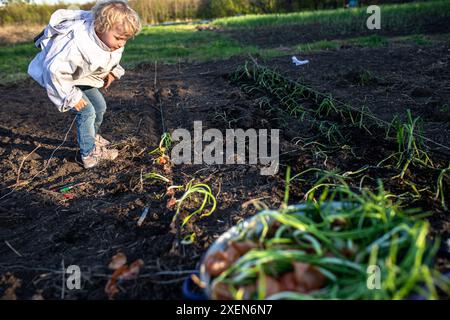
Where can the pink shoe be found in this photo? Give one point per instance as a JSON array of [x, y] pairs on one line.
[[101, 142], [99, 153]]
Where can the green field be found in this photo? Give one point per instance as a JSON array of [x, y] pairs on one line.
[[393, 16], [170, 44]]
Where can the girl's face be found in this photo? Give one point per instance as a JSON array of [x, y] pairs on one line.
[[114, 38]]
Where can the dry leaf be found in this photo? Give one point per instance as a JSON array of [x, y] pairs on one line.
[[111, 287], [195, 279], [307, 277], [38, 295], [272, 285], [133, 271], [10, 293], [242, 247], [288, 282], [122, 273], [163, 159], [172, 202], [117, 261], [167, 167], [216, 263], [232, 254], [170, 192], [221, 291], [249, 291]]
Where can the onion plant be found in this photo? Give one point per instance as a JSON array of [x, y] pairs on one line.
[[341, 235], [411, 149], [194, 191]]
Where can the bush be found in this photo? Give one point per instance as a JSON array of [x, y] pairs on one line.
[[22, 13]]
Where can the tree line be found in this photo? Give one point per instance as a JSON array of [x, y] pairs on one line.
[[156, 11]]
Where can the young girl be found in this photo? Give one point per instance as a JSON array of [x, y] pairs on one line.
[[81, 51]]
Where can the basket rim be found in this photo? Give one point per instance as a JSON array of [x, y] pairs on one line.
[[221, 242]]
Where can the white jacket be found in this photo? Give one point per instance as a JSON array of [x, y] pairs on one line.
[[72, 55]]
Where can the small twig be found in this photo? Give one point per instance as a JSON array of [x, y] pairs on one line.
[[162, 116], [156, 72], [6, 266], [11, 247], [138, 127], [28, 181], [168, 281], [23, 160], [7, 194], [203, 169], [142, 180], [253, 59], [178, 272], [256, 202], [220, 189], [143, 216]]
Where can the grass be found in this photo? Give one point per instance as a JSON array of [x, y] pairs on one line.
[[319, 45], [367, 41], [372, 41], [419, 39], [179, 43], [14, 60], [167, 44], [396, 16], [171, 43]]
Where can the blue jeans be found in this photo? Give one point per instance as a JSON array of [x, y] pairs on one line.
[[89, 119]]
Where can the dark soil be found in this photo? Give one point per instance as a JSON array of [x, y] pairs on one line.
[[388, 80], [48, 230]]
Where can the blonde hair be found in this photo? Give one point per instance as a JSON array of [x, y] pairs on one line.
[[112, 13]]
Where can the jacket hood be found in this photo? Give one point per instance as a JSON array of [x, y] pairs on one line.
[[62, 21]]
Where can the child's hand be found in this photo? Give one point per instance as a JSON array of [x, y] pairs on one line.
[[80, 105], [108, 80]]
